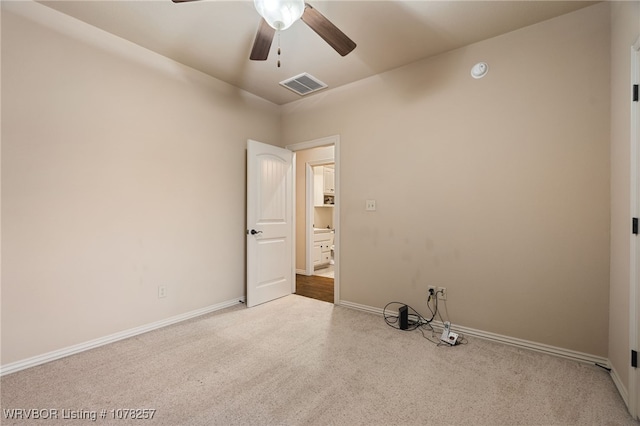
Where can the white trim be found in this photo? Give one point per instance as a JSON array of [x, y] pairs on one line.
[[359, 307], [329, 140], [293, 222], [101, 341], [507, 340], [634, 244], [301, 272], [527, 344], [336, 221], [619, 385], [308, 236], [335, 141]]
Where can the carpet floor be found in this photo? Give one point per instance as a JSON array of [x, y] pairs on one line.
[[299, 361]]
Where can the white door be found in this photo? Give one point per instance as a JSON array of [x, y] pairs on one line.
[[270, 245]]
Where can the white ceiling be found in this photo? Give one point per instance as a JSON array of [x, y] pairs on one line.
[[216, 37]]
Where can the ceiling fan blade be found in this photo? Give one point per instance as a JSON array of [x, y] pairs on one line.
[[182, 1], [329, 32], [262, 43]]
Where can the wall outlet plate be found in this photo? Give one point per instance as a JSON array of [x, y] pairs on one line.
[[429, 288], [442, 293]]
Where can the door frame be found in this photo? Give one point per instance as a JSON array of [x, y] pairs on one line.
[[634, 272], [316, 143]]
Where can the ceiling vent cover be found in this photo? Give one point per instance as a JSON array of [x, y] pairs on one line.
[[303, 84]]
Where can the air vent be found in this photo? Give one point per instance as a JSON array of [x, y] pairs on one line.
[[303, 84]]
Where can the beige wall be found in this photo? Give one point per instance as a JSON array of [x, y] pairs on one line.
[[625, 29], [302, 158], [121, 171], [497, 189], [323, 217]]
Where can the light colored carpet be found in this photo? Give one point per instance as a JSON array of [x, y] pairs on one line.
[[298, 361]]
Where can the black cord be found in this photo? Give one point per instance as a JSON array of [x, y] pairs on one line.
[[433, 313], [415, 319], [603, 367], [418, 322], [462, 340]]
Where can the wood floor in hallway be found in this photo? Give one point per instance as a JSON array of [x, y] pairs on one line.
[[315, 287]]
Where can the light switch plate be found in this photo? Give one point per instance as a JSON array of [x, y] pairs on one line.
[[370, 206]]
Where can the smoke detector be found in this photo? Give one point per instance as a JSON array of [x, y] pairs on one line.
[[479, 70]]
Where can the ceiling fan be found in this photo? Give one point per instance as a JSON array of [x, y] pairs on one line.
[[281, 14]]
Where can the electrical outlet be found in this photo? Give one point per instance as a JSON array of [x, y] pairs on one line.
[[442, 293], [430, 289], [162, 291]]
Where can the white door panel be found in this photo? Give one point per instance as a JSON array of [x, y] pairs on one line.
[[269, 222]]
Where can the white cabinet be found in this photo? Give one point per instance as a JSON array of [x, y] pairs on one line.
[[329, 181], [322, 243], [317, 254], [324, 186]]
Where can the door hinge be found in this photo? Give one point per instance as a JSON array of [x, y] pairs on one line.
[[634, 358], [635, 93], [634, 225]]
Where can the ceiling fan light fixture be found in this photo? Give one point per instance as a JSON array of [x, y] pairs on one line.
[[280, 14]]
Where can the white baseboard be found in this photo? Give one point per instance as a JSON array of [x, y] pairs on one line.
[[621, 389], [360, 307], [507, 340], [301, 271], [81, 347]]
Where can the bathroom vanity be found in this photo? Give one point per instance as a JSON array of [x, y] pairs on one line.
[[322, 245]]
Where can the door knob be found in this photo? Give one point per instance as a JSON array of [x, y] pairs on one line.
[[254, 232]]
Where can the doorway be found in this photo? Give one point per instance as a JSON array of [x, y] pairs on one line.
[[317, 230], [320, 215]]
